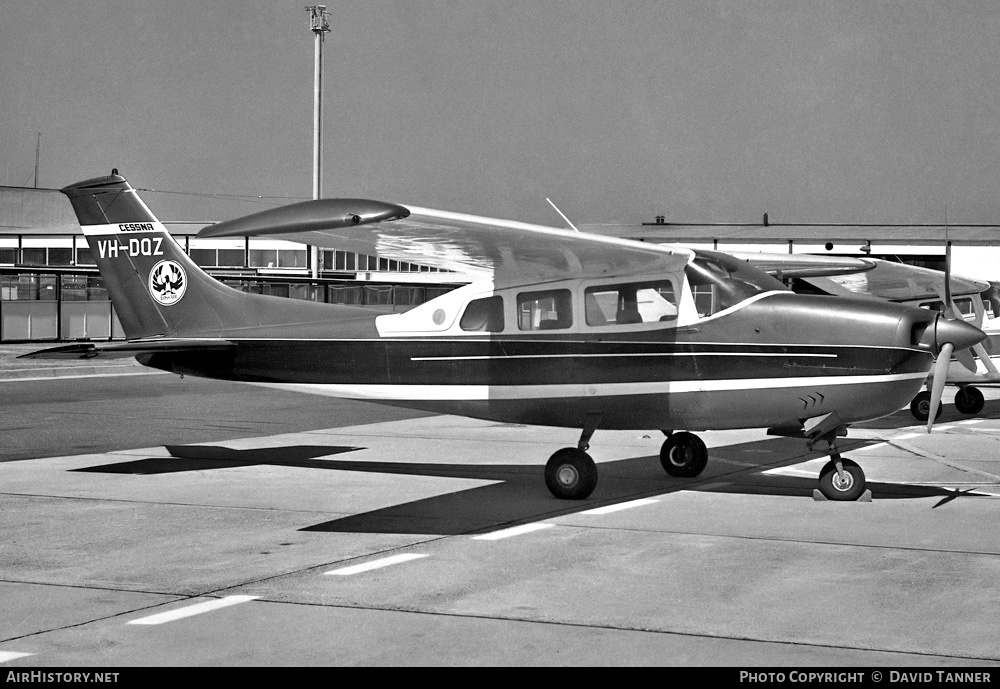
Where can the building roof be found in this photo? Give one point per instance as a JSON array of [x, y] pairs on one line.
[[773, 233]]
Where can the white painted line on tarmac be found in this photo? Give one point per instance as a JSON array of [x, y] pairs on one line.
[[906, 436], [608, 509], [11, 655], [191, 610], [376, 564], [967, 422], [513, 531], [83, 375], [790, 471]]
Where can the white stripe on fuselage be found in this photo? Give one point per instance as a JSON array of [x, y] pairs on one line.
[[627, 355], [499, 392]]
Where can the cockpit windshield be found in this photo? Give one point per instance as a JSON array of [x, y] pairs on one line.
[[719, 281]]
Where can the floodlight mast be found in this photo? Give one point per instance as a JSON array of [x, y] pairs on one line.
[[319, 25]]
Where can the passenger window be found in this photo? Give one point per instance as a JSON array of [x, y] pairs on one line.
[[483, 314], [549, 310], [634, 302]]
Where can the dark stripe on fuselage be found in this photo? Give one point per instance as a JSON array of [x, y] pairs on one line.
[[529, 361]]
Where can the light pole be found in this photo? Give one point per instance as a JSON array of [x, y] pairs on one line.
[[319, 25]]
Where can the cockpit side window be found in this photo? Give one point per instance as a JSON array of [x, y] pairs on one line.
[[633, 302], [719, 281], [548, 310], [484, 315]]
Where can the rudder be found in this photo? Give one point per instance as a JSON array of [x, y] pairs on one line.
[[155, 287]]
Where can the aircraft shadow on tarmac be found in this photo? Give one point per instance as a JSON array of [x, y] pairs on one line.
[[519, 495]]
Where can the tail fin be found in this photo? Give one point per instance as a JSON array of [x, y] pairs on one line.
[[156, 289]]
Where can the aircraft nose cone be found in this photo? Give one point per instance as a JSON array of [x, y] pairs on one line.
[[959, 333]]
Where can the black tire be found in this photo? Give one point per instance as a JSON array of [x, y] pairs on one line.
[[969, 400], [571, 474], [920, 407], [831, 486], [683, 454]]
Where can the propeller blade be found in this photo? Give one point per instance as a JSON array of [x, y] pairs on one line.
[[966, 358], [938, 380]]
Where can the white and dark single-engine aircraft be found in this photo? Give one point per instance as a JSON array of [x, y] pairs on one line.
[[557, 328]]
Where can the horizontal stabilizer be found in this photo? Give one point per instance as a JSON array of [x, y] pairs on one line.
[[116, 350]]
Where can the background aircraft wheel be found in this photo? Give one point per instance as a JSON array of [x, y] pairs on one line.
[[683, 454], [969, 400], [571, 474], [920, 407], [831, 485]]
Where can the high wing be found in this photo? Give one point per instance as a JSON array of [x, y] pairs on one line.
[[511, 253], [804, 265], [898, 282]]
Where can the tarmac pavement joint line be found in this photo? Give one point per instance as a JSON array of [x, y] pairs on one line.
[[934, 457], [191, 610]]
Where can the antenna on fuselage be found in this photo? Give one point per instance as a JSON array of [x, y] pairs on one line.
[[561, 214]]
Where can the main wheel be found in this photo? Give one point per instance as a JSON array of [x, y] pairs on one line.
[[920, 407], [571, 474], [851, 487], [683, 454], [969, 400]]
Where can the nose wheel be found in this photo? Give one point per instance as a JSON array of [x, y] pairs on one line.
[[844, 483], [840, 479]]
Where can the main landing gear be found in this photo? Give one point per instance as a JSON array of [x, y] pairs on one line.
[[571, 473]]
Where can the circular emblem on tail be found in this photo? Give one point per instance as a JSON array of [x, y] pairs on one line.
[[167, 282]]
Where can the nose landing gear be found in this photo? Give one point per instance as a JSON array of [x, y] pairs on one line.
[[840, 479]]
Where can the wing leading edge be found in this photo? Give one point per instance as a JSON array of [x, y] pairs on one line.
[[508, 252]]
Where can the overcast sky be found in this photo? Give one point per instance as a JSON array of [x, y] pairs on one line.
[[703, 111]]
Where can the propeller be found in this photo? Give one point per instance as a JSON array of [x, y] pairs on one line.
[[951, 332], [938, 379]]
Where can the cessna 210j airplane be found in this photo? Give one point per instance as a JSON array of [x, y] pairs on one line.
[[557, 327]]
